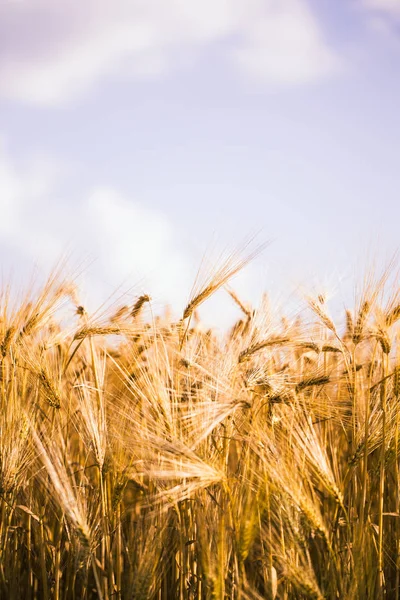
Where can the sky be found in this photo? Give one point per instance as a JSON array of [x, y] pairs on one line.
[[137, 136]]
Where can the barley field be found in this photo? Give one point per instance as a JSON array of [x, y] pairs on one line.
[[147, 457]]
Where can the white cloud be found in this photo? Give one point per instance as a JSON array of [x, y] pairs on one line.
[[53, 52], [125, 245], [133, 244], [130, 245], [388, 6], [10, 194], [285, 46], [19, 187]]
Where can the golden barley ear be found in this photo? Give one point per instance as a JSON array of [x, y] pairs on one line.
[[137, 307], [215, 278], [243, 307]]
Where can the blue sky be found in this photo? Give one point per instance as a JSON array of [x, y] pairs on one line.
[[138, 135]]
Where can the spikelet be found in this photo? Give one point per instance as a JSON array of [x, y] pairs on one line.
[[392, 316], [24, 427], [137, 307], [311, 382], [322, 314], [246, 534], [245, 310], [117, 495], [217, 279], [31, 324], [384, 340], [237, 329], [84, 536], [305, 583], [396, 381], [272, 341], [309, 346], [349, 325], [51, 394], [360, 323], [313, 516], [7, 340], [329, 348], [119, 314], [89, 331]]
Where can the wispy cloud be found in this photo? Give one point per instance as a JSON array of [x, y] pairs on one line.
[[53, 52]]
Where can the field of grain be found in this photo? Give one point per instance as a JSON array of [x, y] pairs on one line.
[[146, 457]]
